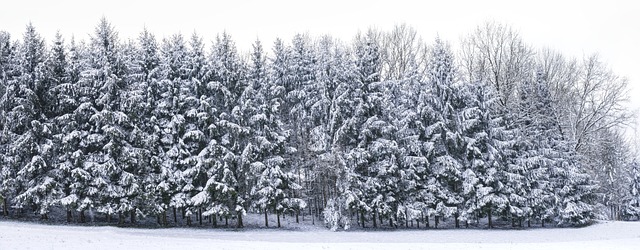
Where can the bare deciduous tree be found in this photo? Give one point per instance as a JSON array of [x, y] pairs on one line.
[[402, 49], [496, 54], [598, 99]]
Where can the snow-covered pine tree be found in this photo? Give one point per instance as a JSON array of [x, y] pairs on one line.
[[191, 123], [65, 102], [352, 176], [575, 191], [412, 196], [377, 151], [488, 146], [112, 160], [300, 85], [631, 206], [169, 120], [225, 133], [33, 145], [139, 102], [9, 70], [537, 133], [265, 153], [443, 146]]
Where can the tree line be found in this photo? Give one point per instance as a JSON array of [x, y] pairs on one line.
[[386, 129]]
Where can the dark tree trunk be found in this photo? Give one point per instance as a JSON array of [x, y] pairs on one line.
[[82, 218], [426, 221], [120, 218], [375, 223], [278, 219], [5, 207], [175, 216], [520, 222], [362, 219], [266, 219], [200, 216], [214, 220], [239, 223], [69, 216], [226, 221], [437, 220], [133, 215], [108, 217], [490, 221], [297, 215], [164, 218], [457, 220]]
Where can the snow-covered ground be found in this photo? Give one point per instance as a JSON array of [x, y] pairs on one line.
[[604, 235]]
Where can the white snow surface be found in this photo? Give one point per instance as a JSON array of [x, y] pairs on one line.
[[604, 235]]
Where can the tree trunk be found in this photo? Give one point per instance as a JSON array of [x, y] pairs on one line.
[[226, 221], [82, 218], [108, 217], [120, 218], [133, 215], [426, 221], [214, 220], [239, 223], [406, 218], [5, 207], [297, 215], [437, 219], [200, 216], [266, 219], [69, 216], [520, 222], [164, 218], [278, 219], [362, 219], [175, 216], [457, 220], [375, 225], [490, 222]]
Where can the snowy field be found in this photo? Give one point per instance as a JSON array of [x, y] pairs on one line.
[[604, 235]]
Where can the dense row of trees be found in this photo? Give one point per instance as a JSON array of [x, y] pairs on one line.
[[385, 129]]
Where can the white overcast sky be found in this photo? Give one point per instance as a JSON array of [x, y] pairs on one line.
[[576, 28]]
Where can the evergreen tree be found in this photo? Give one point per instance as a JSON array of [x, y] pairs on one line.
[[439, 110], [488, 146], [169, 119], [9, 72], [33, 145], [110, 159], [631, 207], [227, 135]]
